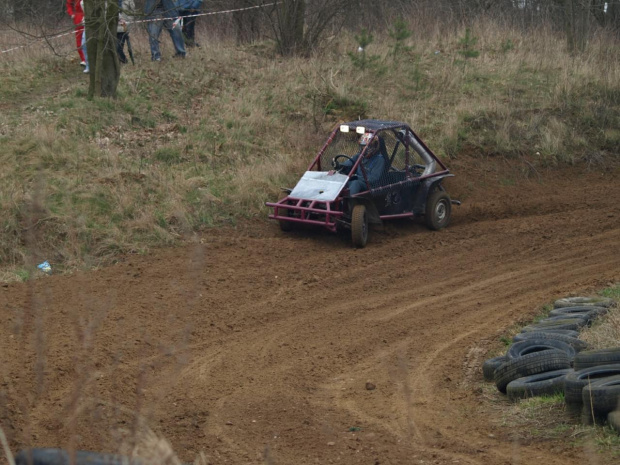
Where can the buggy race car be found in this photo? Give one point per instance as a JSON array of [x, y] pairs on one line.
[[409, 184]]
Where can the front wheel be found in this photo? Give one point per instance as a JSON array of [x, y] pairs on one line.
[[438, 210], [359, 226], [285, 226]]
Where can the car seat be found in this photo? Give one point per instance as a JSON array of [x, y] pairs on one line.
[[384, 176]]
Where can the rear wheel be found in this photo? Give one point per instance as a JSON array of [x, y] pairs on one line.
[[438, 210], [359, 226]]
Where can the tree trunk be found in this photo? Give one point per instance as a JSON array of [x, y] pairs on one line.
[[101, 20], [291, 24], [247, 23], [577, 22]]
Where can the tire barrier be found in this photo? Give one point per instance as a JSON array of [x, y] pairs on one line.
[[576, 380], [530, 364], [573, 317], [539, 359], [573, 341], [490, 365], [566, 332], [529, 346], [593, 311], [542, 384], [584, 301], [593, 358], [573, 324], [601, 397]]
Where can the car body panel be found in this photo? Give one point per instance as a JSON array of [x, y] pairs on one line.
[[319, 185]]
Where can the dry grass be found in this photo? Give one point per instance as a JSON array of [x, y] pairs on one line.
[[205, 141], [605, 332]]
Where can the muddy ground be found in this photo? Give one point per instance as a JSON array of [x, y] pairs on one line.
[[256, 346]]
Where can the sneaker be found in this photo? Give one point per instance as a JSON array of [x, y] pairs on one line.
[[86, 70], [156, 59], [83, 63]]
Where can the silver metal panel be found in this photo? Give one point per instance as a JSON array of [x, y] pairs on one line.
[[319, 185]]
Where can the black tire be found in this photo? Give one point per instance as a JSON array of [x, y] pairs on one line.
[[542, 384], [602, 396], [62, 457], [584, 301], [576, 380], [530, 364], [438, 210], [565, 332], [578, 344], [613, 420], [573, 326], [530, 346], [593, 358], [285, 226], [490, 365], [588, 417], [593, 312], [579, 318], [359, 226]]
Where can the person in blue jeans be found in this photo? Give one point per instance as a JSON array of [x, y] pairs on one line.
[[373, 163], [188, 9], [166, 15]]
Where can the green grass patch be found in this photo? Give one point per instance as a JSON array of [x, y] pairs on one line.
[[612, 292], [194, 146]]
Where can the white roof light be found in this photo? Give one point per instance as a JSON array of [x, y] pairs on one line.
[[360, 129], [344, 128]]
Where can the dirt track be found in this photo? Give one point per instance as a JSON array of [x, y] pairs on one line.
[[256, 346]]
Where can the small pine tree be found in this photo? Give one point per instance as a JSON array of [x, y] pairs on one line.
[[400, 33], [361, 59], [467, 44]]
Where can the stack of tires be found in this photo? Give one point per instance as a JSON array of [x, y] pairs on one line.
[[593, 387], [548, 357]]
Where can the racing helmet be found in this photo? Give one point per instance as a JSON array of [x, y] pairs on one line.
[[372, 142]]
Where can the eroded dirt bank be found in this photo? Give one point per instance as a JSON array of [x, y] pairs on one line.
[[256, 346]]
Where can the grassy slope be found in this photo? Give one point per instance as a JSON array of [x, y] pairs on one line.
[[203, 142]]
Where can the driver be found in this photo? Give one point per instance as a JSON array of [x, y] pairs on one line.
[[373, 162]]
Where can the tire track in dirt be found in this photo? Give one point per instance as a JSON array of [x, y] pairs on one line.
[[266, 342]]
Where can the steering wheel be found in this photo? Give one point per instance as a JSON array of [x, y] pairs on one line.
[[336, 164]]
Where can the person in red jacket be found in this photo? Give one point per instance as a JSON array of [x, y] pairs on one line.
[[74, 9]]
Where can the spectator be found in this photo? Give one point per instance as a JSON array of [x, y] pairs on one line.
[[188, 9], [74, 9], [85, 52], [83, 48], [163, 12], [127, 9]]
